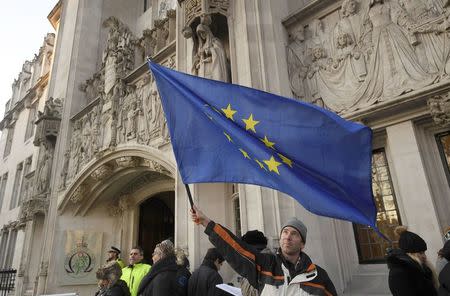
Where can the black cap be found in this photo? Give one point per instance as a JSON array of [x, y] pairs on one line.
[[409, 241], [255, 238], [115, 250]]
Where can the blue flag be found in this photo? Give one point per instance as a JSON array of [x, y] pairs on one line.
[[221, 132]]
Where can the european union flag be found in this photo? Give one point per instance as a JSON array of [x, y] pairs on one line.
[[222, 132]]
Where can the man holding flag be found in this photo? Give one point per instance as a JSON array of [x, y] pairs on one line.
[[221, 132], [289, 272]]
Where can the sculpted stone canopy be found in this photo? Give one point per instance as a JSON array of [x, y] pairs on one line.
[[369, 52], [113, 175]]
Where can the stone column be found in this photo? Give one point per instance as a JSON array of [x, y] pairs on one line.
[[412, 191]]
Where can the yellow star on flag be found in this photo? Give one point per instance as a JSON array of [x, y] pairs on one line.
[[229, 112], [273, 165], [250, 123], [244, 153], [267, 142], [285, 159], [261, 165], [228, 137]]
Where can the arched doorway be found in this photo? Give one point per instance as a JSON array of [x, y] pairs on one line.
[[156, 221]]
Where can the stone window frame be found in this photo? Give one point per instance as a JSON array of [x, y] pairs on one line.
[[18, 178], [3, 183], [10, 250], [236, 209], [9, 141], [4, 237], [444, 158], [381, 242]]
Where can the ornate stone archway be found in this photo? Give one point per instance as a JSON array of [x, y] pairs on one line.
[[112, 175]]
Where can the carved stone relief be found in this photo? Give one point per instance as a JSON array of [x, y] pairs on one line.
[[126, 161], [78, 195], [31, 207], [119, 207], [102, 172], [368, 52]]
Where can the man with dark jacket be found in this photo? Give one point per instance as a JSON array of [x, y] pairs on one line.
[[290, 272], [204, 280]]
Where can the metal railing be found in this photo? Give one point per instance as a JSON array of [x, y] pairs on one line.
[[7, 281]]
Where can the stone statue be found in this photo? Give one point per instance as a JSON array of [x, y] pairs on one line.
[[156, 109], [132, 118], [64, 170], [44, 170], [210, 61]]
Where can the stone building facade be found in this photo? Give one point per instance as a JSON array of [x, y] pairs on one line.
[[105, 173]]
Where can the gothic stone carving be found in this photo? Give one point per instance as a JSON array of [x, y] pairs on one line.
[[47, 124], [156, 167], [31, 207], [78, 195], [440, 109], [368, 52], [102, 172], [120, 207], [210, 60], [126, 161]]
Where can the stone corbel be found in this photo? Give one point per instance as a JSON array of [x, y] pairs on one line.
[[440, 109]]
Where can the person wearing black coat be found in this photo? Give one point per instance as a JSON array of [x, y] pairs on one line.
[[109, 281], [204, 280], [444, 275], [166, 277], [409, 272]]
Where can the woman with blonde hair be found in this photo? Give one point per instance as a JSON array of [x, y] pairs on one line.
[[410, 273]]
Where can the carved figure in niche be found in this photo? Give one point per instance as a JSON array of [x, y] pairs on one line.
[[75, 150], [394, 67], [44, 169], [211, 61], [296, 66], [156, 108], [87, 142], [430, 48], [148, 43], [65, 169], [132, 118]]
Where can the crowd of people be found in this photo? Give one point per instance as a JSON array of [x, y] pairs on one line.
[[288, 272]]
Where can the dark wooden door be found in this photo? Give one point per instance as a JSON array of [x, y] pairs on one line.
[[156, 222]]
